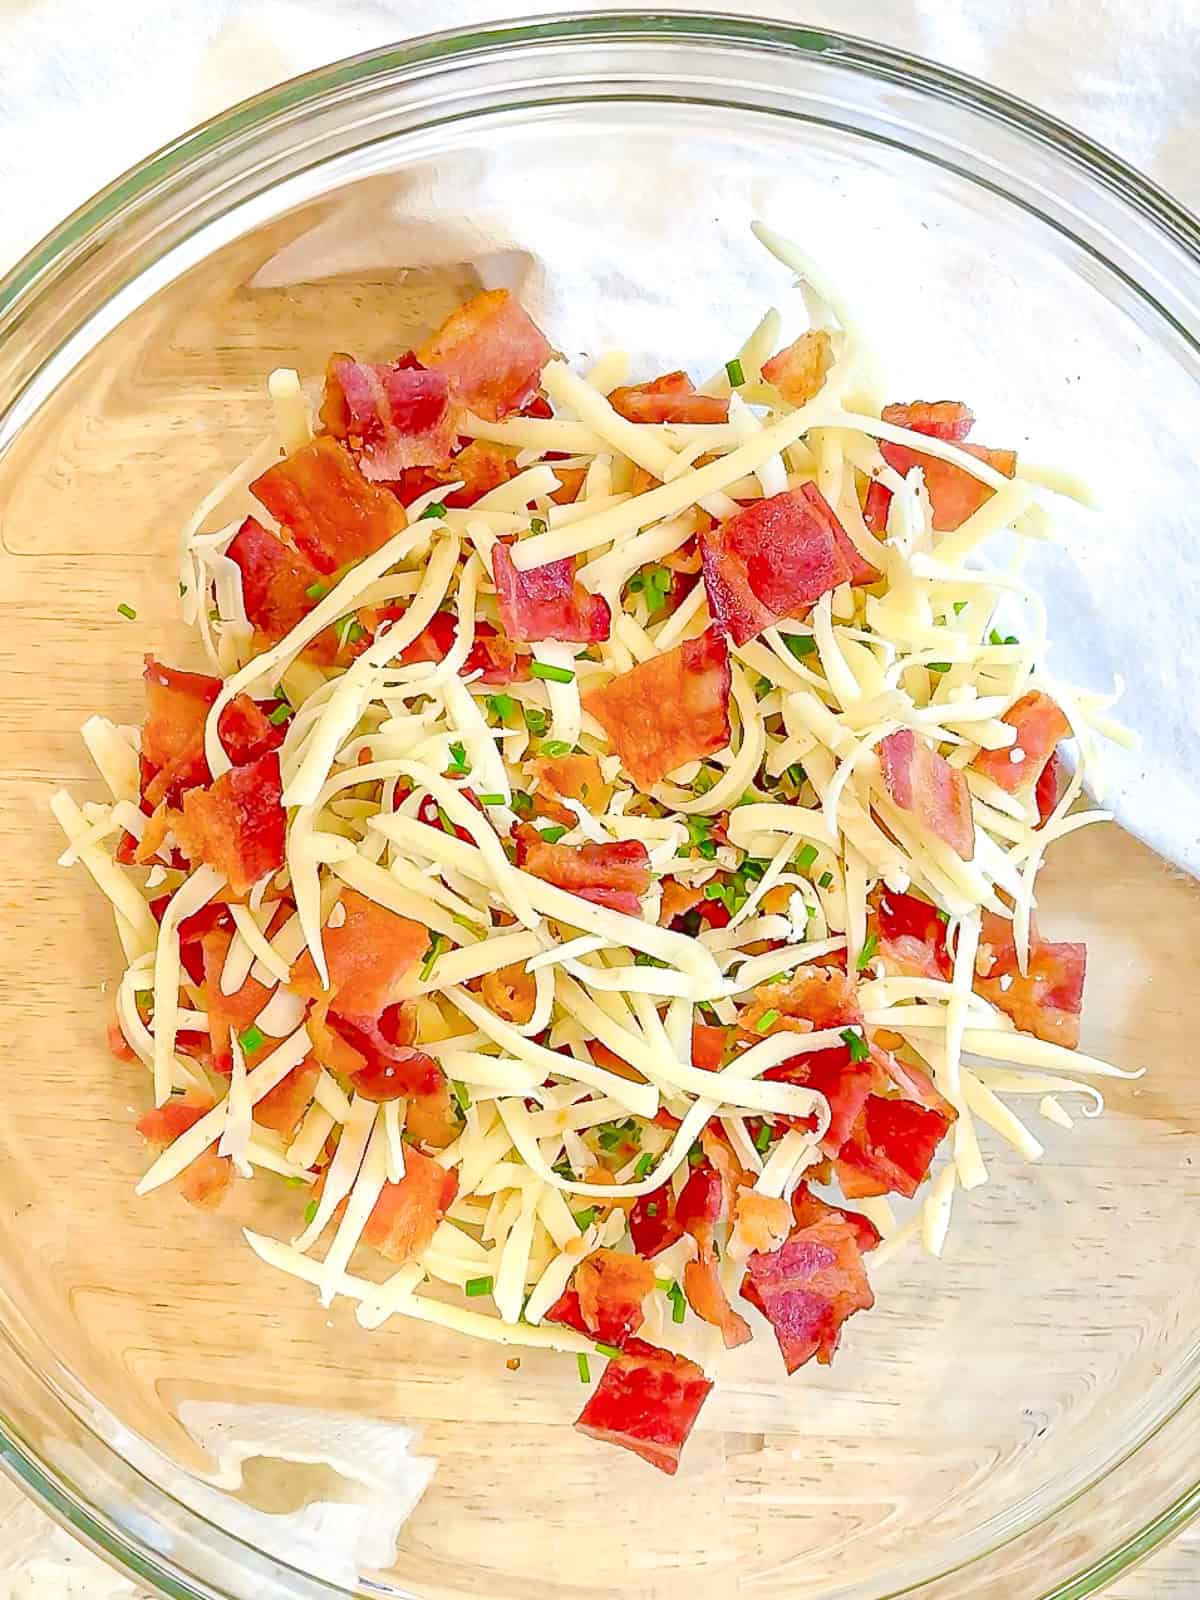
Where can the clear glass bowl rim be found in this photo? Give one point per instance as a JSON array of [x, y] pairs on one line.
[[31, 283]]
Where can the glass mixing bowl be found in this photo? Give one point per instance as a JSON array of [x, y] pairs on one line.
[[1016, 1421]]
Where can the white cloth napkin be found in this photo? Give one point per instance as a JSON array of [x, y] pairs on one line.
[[87, 90]]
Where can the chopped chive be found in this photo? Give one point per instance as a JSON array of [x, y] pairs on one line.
[[800, 644], [678, 1306], [553, 833], [251, 1039], [644, 1163], [537, 525], [316, 591], [127, 611], [461, 1094], [795, 773], [281, 714], [733, 371], [652, 1208], [806, 857], [522, 802], [478, 1286], [543, 669], [555, 747], [763, 1137], [995, 637], [610, 1138], [641, 959], [856, 1044], [310, 1212], [535, 721], [436, 508], [696, 1155], [144, 997], [942, 916], [348, 630], [766, 1021], [446, 825], [491, 799], [665, 1284], [609, 1350], [824, 881], [585, 1372], [867, 951], [458, 757], [564, 1169], [294, 1183], [436, 945], [959, 607], [939, 666], [500, 705], [585, 1218]]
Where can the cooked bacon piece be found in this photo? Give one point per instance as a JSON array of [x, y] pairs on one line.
[[367, 957], [923, 782], [668, 710], [808, 1288], [406, 1215], [815, 998], [393, 416], [246, 731], [548, 602], [652, 1222], [495, 657], [808, 1208], [611, 1286], [492, 352], [166, 1123], [431, 1117], [568, 1313], [911, 936], [476, 470], [912, 1080], [774, 559], [876, 507], [172, 753], [1048, 999], [511, 992], [227, 1013], [391, 1068], [119, 1046], [799, 370], [1049, 786], [573, 777], [671, 398], [331, 511], [238, 824], [612, 875], [708, 1046], [844, 1083], [1039, 725], [761, 1223], [700, 1205], [204, 1180], [275, 583], [647, 1401], [282, 1107], [890, 1148], [954, 494]]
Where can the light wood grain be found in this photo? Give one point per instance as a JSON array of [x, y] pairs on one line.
[[1026, 1359]]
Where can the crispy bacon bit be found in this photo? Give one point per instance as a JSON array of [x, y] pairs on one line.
[[510, 992], [227, 1013], [668, 710], [774, 559], [573, 777], [708, 1046], [476, 470], [923, 782], [393, 416], [647, 1401], [407, 1213], [808, 1288], [368, 956], [613, 875], [808, 1208], [1048, 999], [799, 371], [1049, 787], [166, 1123], [761, 1223], [815, 998], [238, 824], [246, 731], [172, 754], [204, 1180], [282, 1107], [844, 1083], [331, 511], [911, 936], [701, 1203], [678, 899], [671, 398], [913, 1082], [431, 1117], [876, 507], [391, 1068], [119, 1046], [611, 1286], [492, 352], [548, 602], [954, 494], [495, 657], [275, 584], [890, 1148], [1039, 726], [652, 1222]]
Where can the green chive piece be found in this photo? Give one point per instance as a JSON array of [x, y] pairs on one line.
[[348, 630], [127, 611], [280, 715], [856, 1044], [867, 951], [959, 607], [553, 833], [995, 637], [316, 591], [942, 916], [144, 997], [555, 747], [795, 773], [763, 1137], [522, 802], [458, 757], [645, 1162], [310, 1212], [436, 945], [939, 666], [665, 1284], [491, 799], [436, 508], [733, 371], [585, 1218], [251, 1039], [543, 669], [294, 1183], [806, 857], [537, 525], [800, 644], [609, 1350], [462, 1094], [679, 1305], [766, 1021], [585, 1372], [500, 705], [478, 1286], [696, 1155], [824, 881], [652, 1208], [535, 721]]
